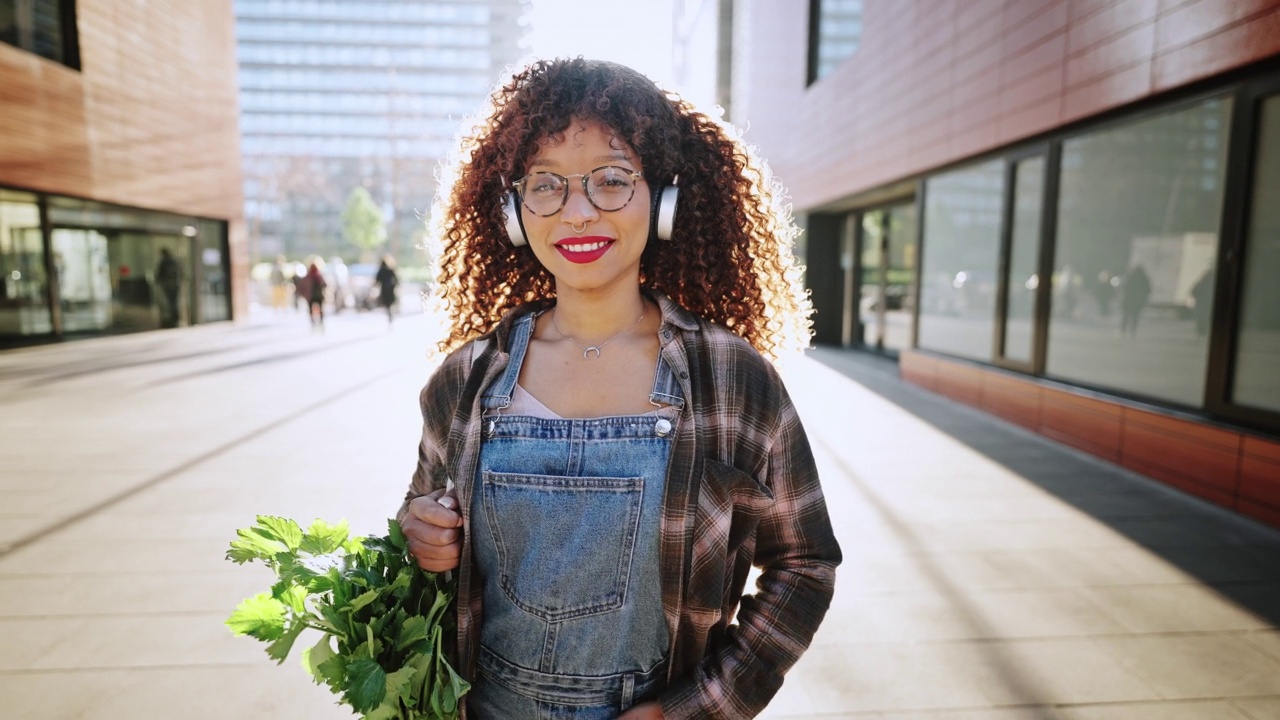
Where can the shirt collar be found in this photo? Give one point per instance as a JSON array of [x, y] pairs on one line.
[[673, 314]]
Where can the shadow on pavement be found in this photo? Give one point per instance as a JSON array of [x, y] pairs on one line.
[[1234, 555]]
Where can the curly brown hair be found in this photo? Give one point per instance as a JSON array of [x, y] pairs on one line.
[[729, 259]]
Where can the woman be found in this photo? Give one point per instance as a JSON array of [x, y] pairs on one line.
[[622, 452], [315, 286], [387, 280]]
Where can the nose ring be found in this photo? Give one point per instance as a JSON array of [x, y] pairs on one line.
[[578, 230]]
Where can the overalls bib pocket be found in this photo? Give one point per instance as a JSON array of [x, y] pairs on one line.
[[564, 544]]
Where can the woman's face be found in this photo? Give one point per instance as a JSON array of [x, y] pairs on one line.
[[583, 247]]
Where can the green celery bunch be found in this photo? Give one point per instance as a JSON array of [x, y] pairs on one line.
[[386, 615]]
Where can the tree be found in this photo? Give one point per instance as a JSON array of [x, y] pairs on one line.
[[362, 223]]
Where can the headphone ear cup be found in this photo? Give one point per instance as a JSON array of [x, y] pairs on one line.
[[515, 226], [663, 216]]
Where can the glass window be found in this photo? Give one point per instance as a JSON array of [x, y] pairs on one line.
[[888, 272], [1024, 256], [358, 32], [88, 279], [44, 27], [837, 29], [1257, 382], [24, 300], [358, 103], [284, 79], [214, 300], [961, 250], [363, 11], [899, 279], [1138, 217], [870, 261]]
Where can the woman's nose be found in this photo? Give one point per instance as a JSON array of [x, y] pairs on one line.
[[578, 207]]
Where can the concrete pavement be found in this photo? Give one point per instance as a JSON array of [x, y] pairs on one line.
[[989, 573]]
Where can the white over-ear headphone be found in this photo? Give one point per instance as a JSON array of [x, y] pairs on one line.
[[662, 214]]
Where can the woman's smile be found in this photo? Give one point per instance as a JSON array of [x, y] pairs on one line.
[[584, 249]]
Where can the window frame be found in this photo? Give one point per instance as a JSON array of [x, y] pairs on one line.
[[69, 37], [814, 53], [1051, 153], [1246, 91], [1224, 333]]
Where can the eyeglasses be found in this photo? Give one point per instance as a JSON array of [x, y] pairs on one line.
[[608, 188]]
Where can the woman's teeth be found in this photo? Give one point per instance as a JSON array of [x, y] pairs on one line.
[[587, 247]]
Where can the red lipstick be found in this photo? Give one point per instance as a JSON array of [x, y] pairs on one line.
[[585, 249]]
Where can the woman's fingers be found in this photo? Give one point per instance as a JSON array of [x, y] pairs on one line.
[[432, 529]]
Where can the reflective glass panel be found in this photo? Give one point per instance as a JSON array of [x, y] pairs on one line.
[[215, 291], [961, 252], [36, 26], [839, 32], [84, 272], [1024, 255], [24, 304], [1257, 362], [1138, 217], [869, 300], [899, 288]]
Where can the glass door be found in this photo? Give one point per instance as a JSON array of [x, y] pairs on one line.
[[24, 298], [871, 279], [83, 270], [1020, 281], [887, 262], [898, 318]]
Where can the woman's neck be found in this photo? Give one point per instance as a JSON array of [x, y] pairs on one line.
[[591, 316]]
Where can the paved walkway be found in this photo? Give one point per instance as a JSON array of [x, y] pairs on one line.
[[989, 574]]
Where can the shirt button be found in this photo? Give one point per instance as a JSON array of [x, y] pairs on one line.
[[684, 375], [662, 427], [666, 334]]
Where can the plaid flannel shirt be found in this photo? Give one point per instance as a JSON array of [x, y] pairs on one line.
[[742, 490]]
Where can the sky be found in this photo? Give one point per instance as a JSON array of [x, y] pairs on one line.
[[637, 34]]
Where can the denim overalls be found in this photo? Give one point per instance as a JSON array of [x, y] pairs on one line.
[[565, 517]]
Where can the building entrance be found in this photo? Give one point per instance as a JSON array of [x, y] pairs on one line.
[[884, 278], [120, 281]]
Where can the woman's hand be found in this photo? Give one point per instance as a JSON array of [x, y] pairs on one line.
[[643, 711], [432, 529]]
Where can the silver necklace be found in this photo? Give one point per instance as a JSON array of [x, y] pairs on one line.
[[587, 350]]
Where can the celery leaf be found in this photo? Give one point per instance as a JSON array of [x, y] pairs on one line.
[[284, 530], [366, 683], [260, 616]]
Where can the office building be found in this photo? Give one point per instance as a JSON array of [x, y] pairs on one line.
[[338, 95], [1064, 212], [118, 147]]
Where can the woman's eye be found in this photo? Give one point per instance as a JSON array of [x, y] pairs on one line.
[[545, 186], [613, 181]]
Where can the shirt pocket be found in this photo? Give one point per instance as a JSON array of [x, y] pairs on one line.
[[564, 544], [730, 504]]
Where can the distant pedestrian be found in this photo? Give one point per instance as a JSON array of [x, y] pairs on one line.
[[387, 281], [315, 286], [169, 278]]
